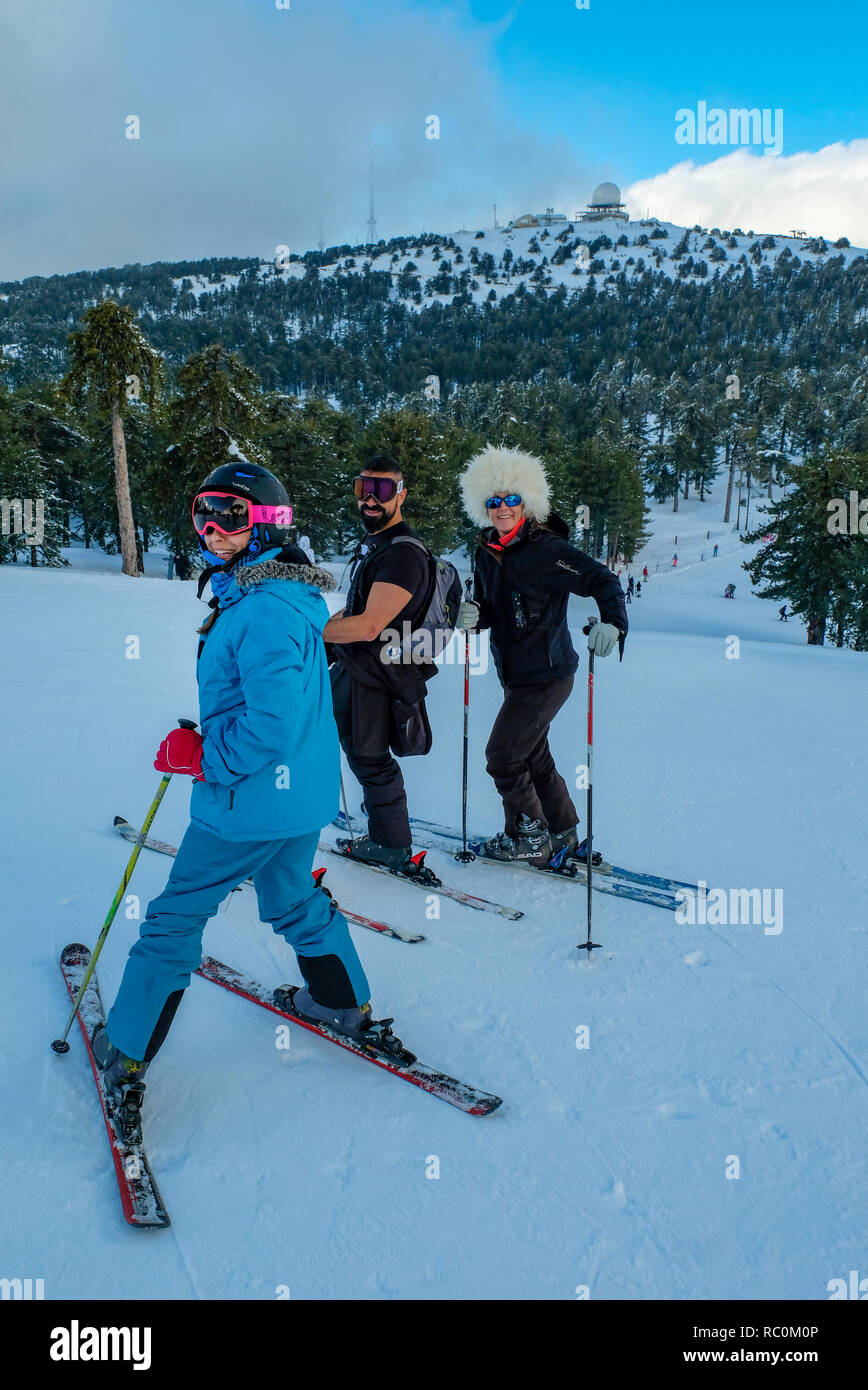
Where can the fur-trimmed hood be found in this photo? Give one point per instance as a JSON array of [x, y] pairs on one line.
[[498, 470], [314, 575]]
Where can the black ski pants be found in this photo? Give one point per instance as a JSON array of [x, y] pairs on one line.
[[376, 769], [518, 757]]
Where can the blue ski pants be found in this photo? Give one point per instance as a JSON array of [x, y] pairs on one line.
[[206, 870]]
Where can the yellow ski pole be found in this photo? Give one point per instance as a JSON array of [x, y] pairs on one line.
[[60, 1044]]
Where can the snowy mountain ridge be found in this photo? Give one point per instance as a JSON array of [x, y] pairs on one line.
[[580, 254]]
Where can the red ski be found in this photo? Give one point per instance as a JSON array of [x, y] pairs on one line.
[[467, 1098], [140, 1197]]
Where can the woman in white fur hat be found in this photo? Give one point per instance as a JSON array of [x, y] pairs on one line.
[[525, 569]]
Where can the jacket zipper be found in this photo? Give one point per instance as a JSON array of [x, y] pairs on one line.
[[231, 798]]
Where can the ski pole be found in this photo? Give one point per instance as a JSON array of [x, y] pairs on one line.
[[346, 811], [465, 855], [60, 1044], [590, 945]]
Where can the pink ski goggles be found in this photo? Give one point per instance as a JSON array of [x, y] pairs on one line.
[[230, 514]]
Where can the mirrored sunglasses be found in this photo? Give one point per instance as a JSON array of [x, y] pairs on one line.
[[511, 499]]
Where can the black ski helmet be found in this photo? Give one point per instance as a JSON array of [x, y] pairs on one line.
[[251, 480]]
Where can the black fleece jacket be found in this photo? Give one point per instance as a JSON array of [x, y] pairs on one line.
[[522, 590]]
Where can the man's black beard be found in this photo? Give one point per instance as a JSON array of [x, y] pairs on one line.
[[374, 521]]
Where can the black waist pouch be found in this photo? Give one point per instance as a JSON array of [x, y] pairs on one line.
[[411, 735]]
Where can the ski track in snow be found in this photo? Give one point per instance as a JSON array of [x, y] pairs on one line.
[[605, 1166]]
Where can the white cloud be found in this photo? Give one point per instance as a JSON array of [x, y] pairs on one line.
[[823, 192], [257, 128]]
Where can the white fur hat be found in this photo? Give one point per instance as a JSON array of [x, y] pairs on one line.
[[497, 471]]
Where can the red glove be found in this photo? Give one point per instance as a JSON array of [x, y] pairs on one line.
[[181, 751]]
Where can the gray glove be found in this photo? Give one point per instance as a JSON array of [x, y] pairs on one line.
[[603, 639], [468, 615]]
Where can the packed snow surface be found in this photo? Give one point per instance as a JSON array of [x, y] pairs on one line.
[[709, 1141]]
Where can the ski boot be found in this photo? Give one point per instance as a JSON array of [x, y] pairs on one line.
[[564, 844], [123, 1079], [374, 1035], [397, 860], [530, 844]]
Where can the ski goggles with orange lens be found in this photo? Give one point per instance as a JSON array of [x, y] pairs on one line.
[[229, 514], [383, 489]]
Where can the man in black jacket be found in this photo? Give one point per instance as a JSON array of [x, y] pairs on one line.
[[379, 700], [524, 572]]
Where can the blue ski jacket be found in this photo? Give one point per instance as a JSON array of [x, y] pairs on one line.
[[270, 754]]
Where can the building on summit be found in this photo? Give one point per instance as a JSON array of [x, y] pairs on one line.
[[605, 202], [549, 218]]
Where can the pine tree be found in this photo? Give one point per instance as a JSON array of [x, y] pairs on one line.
[[31, 513], [821, 571], [42, 445], [215, 411], [111, 363], [313, 450], [431, 450]]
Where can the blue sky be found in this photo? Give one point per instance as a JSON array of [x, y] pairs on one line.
[[258, 125], [614, 75]]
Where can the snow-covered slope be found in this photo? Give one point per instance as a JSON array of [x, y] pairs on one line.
[[606, 1166], [547, 258]]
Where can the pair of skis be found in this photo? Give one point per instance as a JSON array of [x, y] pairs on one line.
[[140, 1196], [653, 889], [473, 900], [130, 833]]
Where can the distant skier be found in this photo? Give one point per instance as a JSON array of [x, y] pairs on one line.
[[524, 571], [645, 573], [639, 588], [305, 545], [265, 707], [631, 584], [675, 560], [714, 552], [729, 591], [783, 613]]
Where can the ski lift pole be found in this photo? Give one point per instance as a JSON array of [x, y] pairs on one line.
[[60, 1044], [590, 945]]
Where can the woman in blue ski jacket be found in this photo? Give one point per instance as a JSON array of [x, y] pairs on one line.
[[266, 777]]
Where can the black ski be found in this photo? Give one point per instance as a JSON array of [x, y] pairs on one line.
[[140, 1197], [608, 878], [458, 895], [130, 833], [458, 1093]]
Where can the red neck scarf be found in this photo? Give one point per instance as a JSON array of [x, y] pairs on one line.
[[503, 541]]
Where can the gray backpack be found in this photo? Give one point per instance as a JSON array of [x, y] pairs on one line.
[[441, 608]]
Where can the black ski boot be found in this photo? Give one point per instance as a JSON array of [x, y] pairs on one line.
[[530, 844], [397, 860], [124, 1079], [564, 845], [375, 1035]]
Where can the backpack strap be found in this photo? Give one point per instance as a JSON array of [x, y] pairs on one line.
[[420, 545]]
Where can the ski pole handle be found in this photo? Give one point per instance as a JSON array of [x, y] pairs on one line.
[[60, 1044]]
